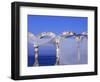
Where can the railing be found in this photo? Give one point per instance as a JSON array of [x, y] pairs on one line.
[[55, 39]]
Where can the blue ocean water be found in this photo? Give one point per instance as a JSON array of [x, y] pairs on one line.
[[47, 55], [31, 57]]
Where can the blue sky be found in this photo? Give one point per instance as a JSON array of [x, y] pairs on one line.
[[56, 24]]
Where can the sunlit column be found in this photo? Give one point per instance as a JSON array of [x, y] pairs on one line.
[[79, 38], [57, 40], [36, 55], [32, 40]]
